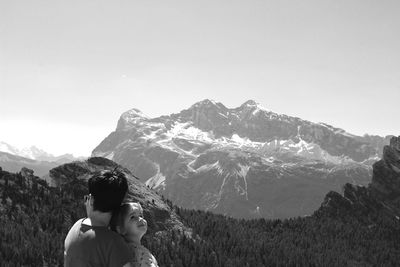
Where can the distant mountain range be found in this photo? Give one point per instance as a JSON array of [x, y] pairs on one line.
[[38, 154], [13, 159], [243, 162], [13, 163]]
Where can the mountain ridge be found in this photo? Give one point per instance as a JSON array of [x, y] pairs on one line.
[[243, 162], [261, 125]]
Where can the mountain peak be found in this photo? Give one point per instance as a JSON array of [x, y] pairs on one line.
[[131, 118], [250, 103], [206, 103], [134, 112], [207, 106]]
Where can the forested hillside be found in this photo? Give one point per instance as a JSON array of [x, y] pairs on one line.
[[319, 240], [35, 219]]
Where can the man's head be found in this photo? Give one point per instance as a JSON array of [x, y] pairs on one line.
[[107, 190]]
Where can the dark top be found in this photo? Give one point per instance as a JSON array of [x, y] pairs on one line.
[[87, 246], [143, 257]]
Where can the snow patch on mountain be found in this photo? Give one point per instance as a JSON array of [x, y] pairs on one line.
[[157, 180], [207, 167], [254, 104], [186, 130], [107, 155], [244, 169]]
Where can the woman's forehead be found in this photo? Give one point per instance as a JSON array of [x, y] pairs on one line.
[[135, 207]]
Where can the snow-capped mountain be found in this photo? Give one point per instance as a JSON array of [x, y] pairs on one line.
[[245, 162], [37, 154]]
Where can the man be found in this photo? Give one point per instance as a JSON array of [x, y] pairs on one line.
[[90, 242]]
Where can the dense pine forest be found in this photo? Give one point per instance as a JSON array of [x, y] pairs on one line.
[[318, 240], [35, 219]]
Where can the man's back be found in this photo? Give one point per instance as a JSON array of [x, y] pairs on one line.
[[87, 245]]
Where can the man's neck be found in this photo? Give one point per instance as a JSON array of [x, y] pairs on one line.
[[97, 218]]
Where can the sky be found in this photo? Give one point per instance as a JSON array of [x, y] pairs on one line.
[[69, 69]]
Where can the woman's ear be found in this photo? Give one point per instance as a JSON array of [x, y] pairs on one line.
[[120, 230]]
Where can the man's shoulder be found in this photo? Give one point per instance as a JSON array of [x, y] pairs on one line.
[[107, 232], [78, 223], [113, 238], [74, 230]]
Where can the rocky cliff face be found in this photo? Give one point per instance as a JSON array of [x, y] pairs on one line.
[[244, 162], [382, 195], [160, 217]]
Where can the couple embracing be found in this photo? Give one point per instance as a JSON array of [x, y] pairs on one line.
[[111, 233]]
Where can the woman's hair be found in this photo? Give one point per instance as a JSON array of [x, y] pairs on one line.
[[119, 214]]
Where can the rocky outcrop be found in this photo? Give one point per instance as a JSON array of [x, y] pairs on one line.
[[381, 195], [386, 172], [159, 215]]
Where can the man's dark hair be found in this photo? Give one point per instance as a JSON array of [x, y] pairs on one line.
[[108, 189]]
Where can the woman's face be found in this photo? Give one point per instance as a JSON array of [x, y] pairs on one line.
[[134, 223]]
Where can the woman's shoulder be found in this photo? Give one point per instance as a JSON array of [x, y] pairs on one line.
[[143, 256]]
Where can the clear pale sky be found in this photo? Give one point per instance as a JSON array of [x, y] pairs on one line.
[[68, 69]]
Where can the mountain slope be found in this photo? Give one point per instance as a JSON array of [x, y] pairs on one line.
[[244, 162]]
